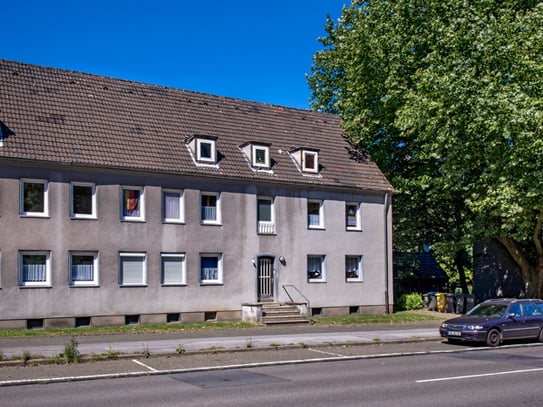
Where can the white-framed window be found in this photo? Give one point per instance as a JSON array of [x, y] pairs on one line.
[[173, 208], [310, 161], [83, 269], [132, 204], [82, 200], [206, 150], [352, 216], [260, 156], [210, 213], [211, 268], [353, 268], [35, 269], [34, 198], [316, 271], [132, 269], [265, 215], [315, 214], [173, 269]]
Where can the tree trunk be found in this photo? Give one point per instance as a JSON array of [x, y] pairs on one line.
[[459, 262], [531, 274]]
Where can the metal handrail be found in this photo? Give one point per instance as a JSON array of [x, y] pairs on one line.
[[307, 302]]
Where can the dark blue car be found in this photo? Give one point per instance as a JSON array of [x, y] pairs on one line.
[[495, 321]]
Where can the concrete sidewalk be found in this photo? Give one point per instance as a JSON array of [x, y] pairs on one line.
[[161, 344]]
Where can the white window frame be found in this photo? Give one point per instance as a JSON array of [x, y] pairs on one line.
[[320, 225], [181, 218], [141, 216], [217, 220], [134, 255], [254, 150], [213, 145], [48, 265], [359, 270], [315, 155], [45, 197], [183, 275], [73, 213], [358, 217], [95, 271], [219, 279], [322, 278], [266, 227]]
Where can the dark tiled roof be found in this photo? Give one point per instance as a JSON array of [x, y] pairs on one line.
[[56, 115], [418, 265]]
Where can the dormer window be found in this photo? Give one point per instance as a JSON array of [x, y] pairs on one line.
[[203, 149], [307, 159], [310, 161], [258, 154]]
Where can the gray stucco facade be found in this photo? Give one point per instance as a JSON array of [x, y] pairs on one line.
[[131, 256]]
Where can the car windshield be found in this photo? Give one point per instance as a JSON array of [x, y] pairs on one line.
[[489, 310]]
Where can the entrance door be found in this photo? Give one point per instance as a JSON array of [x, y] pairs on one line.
[[265, 278]]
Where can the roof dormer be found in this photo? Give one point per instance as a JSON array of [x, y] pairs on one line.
[[307, 159], [258, 154], [203, 149]]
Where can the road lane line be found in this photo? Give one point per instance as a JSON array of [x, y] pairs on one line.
[[144, 365], [474, 376]]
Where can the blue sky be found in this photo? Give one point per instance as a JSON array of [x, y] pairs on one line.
[[253, 50]]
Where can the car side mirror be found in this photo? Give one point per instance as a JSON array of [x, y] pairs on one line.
[[511, 315]]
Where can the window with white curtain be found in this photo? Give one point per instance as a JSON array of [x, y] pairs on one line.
[[173, 210], [35, 269], [83, 268], [132, 269], [314, 214], [353, 268], [315, 268], [210, 208], [173, 268], [211, 268], [352, 216]]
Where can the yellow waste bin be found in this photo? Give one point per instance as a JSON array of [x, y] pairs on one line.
[[441, 302]]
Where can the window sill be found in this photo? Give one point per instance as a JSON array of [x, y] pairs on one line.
[[174, 285], [217, 283], [133, 220], [34, 215], [204, 223], [173, 222], [88, 285], [353, 229], [132, 285], [316, 228], [316, 281], [35, 286], [83, 217], [354, 280]]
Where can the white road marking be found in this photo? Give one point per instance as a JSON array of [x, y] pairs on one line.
[[442, 379], [327, 353], [144, 365]]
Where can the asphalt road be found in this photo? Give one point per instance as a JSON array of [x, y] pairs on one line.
[[453, 375]]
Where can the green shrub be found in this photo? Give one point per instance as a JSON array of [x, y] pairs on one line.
[[71, 353], [410, 301]]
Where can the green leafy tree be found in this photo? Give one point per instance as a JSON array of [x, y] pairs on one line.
[[446, 97]]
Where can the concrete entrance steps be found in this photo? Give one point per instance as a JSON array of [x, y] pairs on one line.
[[281, 313]]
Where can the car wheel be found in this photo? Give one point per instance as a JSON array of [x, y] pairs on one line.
[[540, 337], [493, 338]]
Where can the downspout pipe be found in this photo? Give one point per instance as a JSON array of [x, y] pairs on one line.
[[386, 245]]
